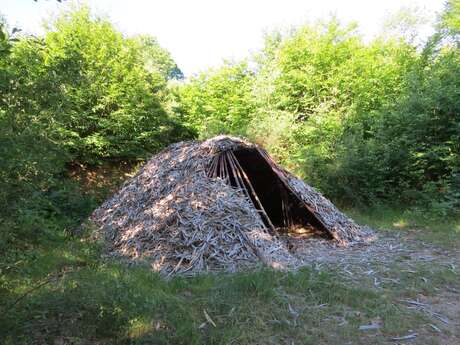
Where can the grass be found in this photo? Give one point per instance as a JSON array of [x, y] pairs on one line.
[[63, 292], [430, 228]]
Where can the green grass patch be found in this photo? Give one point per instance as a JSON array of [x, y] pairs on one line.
[[87, 301], [62, 290], [430, 228]]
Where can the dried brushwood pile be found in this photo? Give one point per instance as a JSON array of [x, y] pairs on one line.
[[181, 213]]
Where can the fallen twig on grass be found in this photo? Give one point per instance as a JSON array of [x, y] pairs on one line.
[[426, 308], [406, 337]]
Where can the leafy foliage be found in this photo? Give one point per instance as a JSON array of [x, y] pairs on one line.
[[80, 95], [98, 94], [219, 101], [365, 122]]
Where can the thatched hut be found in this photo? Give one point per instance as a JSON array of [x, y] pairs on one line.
[[218, 204]]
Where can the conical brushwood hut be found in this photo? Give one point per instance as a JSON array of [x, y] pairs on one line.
[[218, 204]]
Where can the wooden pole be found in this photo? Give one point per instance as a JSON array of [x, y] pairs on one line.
[[211, 167], [232, 170], [254, 194], [238, 177]]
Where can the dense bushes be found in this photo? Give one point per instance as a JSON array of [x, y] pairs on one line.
[[219, 101], [408, 150], [82, 94], [372, 122], [98, 94]]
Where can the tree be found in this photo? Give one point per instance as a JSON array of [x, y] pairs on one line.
[[405, 24], [99, 94], [219, 101], [83, 93]]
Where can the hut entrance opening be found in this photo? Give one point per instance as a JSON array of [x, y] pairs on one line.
[[280, 209]]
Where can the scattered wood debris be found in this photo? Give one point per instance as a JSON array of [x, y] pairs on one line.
[[427, 310]]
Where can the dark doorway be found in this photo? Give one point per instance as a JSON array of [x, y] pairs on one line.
[[284, 209]]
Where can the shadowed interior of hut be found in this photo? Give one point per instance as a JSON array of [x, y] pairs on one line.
[[281, 210]]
